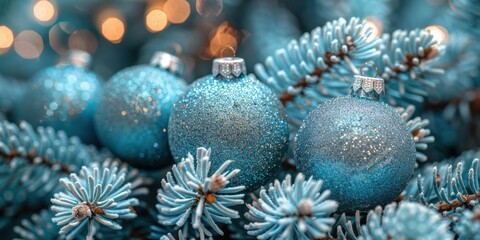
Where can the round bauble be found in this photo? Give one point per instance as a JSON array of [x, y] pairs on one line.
[[132, 116], [64, 97], [235, 115], [360, 147]]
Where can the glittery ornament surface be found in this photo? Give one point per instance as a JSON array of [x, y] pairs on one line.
[[240, 119], [360, 148], [133, 113], [64, 97]]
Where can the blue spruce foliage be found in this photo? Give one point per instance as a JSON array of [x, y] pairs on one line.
[[287, 210], [193, 201]]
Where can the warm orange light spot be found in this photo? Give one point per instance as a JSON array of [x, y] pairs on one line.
[[83, 40], [221, 41], [224, 36], [44, 11], [113, 29], [376, 25], [156, 20], [440, 34], [28, 44], [6, 37], [177, 11]]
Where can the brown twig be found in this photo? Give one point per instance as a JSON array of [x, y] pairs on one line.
[[33, 159], [443, 206]]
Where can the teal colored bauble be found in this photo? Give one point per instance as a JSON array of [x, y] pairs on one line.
[[132, 116], [64, 97], [358, 146], [236, 116]]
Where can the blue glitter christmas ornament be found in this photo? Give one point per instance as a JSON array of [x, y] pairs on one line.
[[237, 116], [132, 116], [359, 146], [64, 97]]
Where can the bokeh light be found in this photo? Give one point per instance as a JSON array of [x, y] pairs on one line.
[[44, 11], [177, 11], [6, 38], [113, 29], [156, 20], [440, 34], [224, 36], [376, 25], [28, 44]]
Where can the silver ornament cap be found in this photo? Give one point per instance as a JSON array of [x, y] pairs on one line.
[[168, 62], [77, 58], [367, 87], [229, 67]]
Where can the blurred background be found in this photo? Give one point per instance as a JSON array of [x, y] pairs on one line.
[[119, 33]]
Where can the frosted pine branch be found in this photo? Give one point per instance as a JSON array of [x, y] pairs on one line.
[[418, 128], [190, 191], [99, 195], [291, 211]]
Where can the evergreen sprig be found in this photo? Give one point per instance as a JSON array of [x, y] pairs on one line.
[[98, 195], [190, 192], [418, 128], [450, 186], [406, 65], [32, 161], [291, 211], [406, 220]]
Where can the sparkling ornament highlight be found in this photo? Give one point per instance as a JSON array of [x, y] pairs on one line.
[[64, 97], [237, 116], [360, 147], [132, 116]]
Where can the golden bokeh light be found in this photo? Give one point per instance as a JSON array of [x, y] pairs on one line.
[[224, 36], [156, 20], [113, 29], [28, 44], [376, 25], [44, 11], [440, 34], [177, 11], [6, 37], [84, 40]]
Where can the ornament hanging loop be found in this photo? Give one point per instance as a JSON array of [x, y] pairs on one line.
[[367, 87], [369, 63], [230, 48]]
